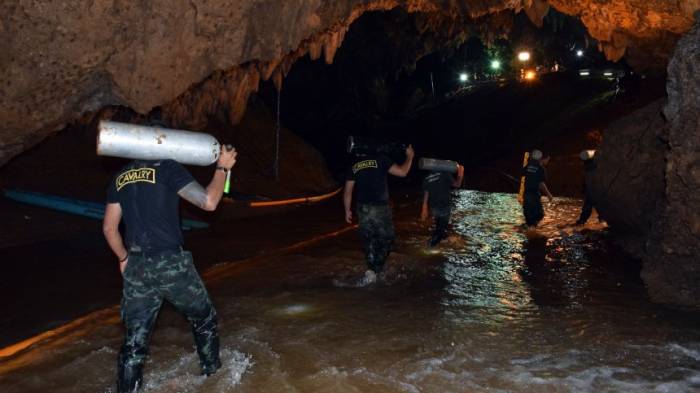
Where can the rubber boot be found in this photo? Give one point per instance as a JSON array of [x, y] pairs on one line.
[[130, 376], [206, 338]]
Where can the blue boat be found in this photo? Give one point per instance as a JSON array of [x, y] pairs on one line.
[[79, 207]]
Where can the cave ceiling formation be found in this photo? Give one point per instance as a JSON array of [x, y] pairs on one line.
[[64, 59]]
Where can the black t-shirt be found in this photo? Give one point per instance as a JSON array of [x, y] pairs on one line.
[[534, 175], [369, 173], [147, 193], [439, 187]]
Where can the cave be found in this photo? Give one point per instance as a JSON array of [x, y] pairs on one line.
[[288, 83]]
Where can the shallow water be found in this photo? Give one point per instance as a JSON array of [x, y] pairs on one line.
[[491, 309]]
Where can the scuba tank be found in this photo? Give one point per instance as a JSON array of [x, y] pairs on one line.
[[435, 165], [139, 142]]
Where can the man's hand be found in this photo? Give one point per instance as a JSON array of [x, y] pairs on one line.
[[424, 214], [122, 265], [409, 151], [227, 159], [347, 200], [403, 169]]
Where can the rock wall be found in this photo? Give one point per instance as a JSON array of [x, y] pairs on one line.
[[62, 59], [672, 268], [648, 181], [629, 181]]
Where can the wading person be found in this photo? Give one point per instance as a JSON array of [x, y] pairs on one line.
[[535, 186], [437, 194], [368, 178], [153, 264], [588, 168]]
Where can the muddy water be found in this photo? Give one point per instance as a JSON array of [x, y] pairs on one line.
[[492, 309]]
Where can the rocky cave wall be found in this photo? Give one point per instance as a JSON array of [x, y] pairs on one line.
[[653, 171], [672, 267], [63, 59]]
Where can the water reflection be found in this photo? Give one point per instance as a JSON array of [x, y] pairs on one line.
[[492, 309], [482, 272]]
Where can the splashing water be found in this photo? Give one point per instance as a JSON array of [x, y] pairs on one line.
[[493, 308]]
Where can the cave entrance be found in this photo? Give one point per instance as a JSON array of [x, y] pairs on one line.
[[468, 91]]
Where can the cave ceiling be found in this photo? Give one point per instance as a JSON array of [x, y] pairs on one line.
[[61, 60]]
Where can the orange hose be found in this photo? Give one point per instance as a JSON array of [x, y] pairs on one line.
[[293, 201], [110, 315]]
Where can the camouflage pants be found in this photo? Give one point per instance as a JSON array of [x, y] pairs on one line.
[[147, 282], [377, 233], [441, 215]]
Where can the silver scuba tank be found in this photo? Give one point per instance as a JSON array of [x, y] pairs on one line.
[[435, 165], [153, 143]]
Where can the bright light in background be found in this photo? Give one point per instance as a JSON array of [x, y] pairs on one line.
[[463, 77], [530, 75], [584, 73], [579, 53], [524, 56], [608, 73], [495, 64]]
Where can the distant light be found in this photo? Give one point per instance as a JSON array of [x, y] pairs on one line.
[[530, 75], [524, 56], [463, 77], [495, 64], [579, 53], [607, 73], [584, 73]]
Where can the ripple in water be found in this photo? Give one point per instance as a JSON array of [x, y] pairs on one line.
[[492, 309]]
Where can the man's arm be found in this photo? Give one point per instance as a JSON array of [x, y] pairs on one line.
[[208, 199], [424, 208], [543, 185], [110, 228], [347, 200], [403, 169], [545, 190], [457, 182]]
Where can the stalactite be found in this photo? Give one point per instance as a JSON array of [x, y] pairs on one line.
[[57, 68]]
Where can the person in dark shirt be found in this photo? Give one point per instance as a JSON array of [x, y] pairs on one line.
[[589, 166], [368, 178], [437, 194], [154, 267], [535, 178]]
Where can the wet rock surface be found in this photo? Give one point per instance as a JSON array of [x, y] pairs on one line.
[[64, 59], [672, 269], [628, 183], [648, 180]]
